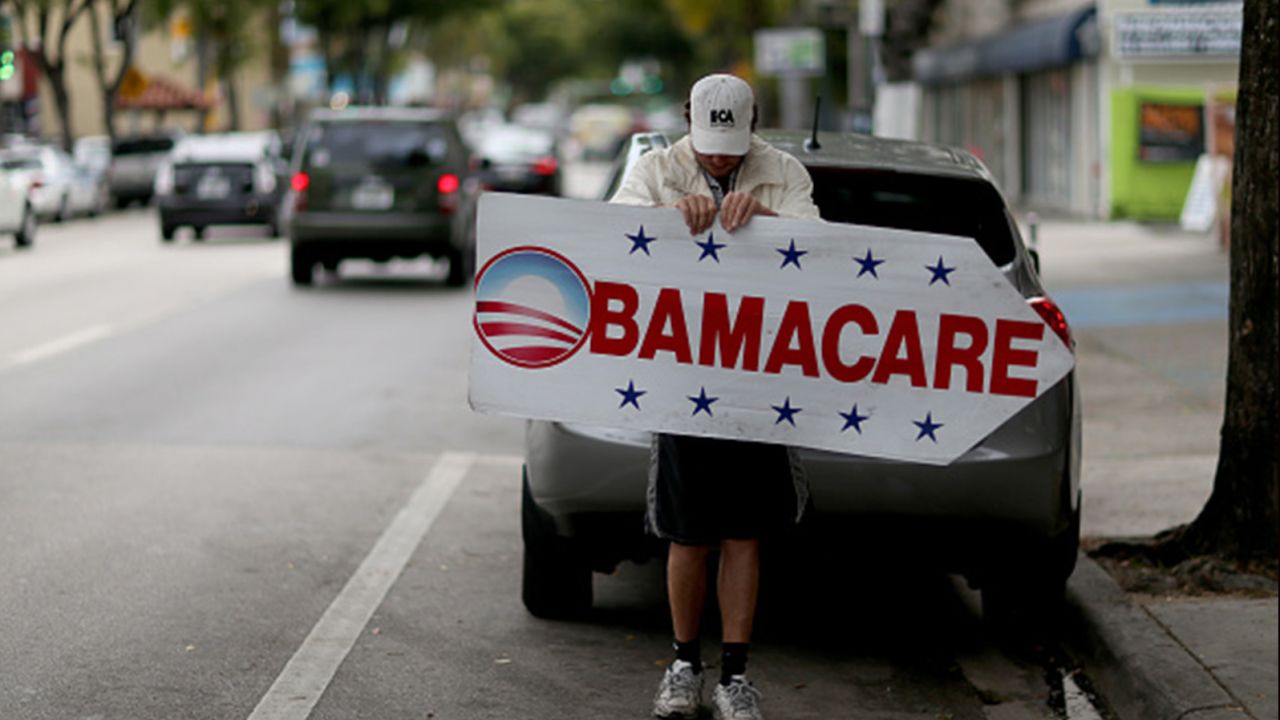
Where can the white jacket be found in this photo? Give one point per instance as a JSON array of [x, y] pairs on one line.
[[775, 178]]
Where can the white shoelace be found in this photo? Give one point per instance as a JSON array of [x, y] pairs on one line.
[[742, 696]]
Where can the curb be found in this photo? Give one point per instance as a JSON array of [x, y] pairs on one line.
[[1140, 670]]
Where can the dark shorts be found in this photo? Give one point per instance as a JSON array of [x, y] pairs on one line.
[[704, 490]]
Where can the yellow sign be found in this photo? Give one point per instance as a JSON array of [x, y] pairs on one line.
[[133, 84]]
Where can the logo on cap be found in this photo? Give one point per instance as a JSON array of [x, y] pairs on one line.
[[722, 117]]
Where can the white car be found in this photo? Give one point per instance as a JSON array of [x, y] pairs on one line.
[[17, 217], [57, 188]]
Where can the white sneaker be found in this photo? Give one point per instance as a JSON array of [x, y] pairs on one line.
[[679, 693], [739, 700]]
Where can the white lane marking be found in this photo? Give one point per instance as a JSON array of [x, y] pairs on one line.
[[304, 679], [67, 342], [1078, 704]]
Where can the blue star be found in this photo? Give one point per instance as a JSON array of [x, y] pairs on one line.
[[853, 420], [786, 412], [630, 395], [868, 264], [940, 272], [702, 402], [639, 241], [791, 256], [927, 427], [709, 248]]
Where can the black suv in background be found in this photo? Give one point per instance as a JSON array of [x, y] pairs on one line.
[[380, 183], [221, 179]]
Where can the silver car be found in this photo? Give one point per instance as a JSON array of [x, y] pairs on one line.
[[1006, 514]]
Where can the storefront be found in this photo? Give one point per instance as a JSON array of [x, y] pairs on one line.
[[1024, 101]]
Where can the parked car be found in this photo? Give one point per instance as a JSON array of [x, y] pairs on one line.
[[131, 176], [597, 130], [17, 216], [519, 159], [58, 188], [221, 179], [380, 183], [1006, 514]]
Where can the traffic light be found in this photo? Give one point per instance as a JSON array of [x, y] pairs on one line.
[[7, 65]]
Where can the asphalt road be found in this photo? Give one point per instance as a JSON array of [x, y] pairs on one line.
[[223, 497]]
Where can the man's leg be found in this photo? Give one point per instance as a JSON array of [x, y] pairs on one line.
[[686, 588], [737, 584]]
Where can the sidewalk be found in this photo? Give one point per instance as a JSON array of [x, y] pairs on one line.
[[1148, 308]]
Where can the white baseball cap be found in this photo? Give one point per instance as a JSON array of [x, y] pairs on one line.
[[720, 111]]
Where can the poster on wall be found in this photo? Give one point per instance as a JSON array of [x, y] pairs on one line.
[[1170, 132]]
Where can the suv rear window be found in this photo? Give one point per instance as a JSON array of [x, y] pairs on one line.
[[389, 143], [921, 203], [138, 146]]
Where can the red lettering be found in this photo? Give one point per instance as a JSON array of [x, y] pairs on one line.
[[737, 338], [904, 334], [603, 317], [969, 357], [795, 328], [667, 311], [1004, 356], [836, 367]]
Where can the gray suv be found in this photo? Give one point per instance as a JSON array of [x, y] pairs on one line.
[[380, 183], [1006, 514]]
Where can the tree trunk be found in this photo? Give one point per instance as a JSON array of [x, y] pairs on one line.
[[1240, 520], [233, 101], [62, 102]]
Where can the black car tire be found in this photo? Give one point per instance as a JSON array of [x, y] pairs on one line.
[[25, 236], [1028, 604], [461, 267], [63, 213], [301, 266], [199, 232], [167, 232], [556, 583]]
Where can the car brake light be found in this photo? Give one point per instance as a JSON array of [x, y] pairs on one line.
[[300, 182], [1054, 318], [448, 183], [545, 166]]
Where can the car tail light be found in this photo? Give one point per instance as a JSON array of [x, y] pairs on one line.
[[545, 166], [448, 183], [37, 182], [299, 184], [447, 195], [1054, 318]]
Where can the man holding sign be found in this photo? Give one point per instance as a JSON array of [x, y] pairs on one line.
[[708, 492]]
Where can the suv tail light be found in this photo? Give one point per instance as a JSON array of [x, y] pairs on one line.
[[299, 184], [447, 192], [545, 166], [1054, 318]]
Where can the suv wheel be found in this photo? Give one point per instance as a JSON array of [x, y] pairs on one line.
[[1028, 604], [301, 266], [557, 581], [461, 267], [26, 234], [166, 232], [199, 232]]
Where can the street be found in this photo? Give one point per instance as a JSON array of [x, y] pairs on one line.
[[224, 497]]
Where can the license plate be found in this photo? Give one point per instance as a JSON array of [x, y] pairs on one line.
[[213, 188], [372, 197]]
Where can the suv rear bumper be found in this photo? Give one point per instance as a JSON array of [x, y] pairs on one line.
[[376, 236], [248, 210]]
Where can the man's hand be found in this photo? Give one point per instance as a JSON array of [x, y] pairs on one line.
[[699, 212], [738, 208]]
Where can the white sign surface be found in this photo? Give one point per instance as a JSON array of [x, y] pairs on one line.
[[790, 51], [847, 338]]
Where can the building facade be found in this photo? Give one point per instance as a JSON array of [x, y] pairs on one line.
[[1092, 109]]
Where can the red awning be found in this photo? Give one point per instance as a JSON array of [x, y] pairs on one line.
[[164, 94]]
